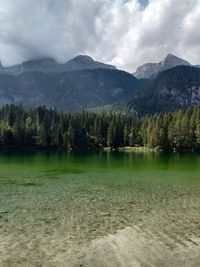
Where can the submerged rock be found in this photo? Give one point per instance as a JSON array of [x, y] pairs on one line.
[[3, 211]]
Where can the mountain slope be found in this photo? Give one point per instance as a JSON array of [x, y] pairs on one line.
[[178, 87], [49, 65], [69, 91], [150, 70]]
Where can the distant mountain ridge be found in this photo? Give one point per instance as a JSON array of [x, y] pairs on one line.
[[49, 65], [151, 70], [69, 91]]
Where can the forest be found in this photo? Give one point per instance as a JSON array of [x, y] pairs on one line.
[[47, 128]]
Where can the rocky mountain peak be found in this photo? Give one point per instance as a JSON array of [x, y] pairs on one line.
[[151, 70], [173, 61], [84, 58]]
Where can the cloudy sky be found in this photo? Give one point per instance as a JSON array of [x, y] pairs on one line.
[[126, 33]]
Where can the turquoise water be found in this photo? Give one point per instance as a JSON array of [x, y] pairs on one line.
[[54, 204]]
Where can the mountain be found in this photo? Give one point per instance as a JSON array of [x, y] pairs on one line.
[[177, 87], [83, 83], [151, 70], [49, 65], [68, 91]]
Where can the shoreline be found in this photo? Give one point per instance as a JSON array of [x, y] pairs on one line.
[[126, 149]]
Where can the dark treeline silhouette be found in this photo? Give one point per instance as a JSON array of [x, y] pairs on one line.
[[42, 127]]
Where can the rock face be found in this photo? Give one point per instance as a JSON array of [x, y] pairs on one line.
[[49, 65], [174, 88], [151, 70]]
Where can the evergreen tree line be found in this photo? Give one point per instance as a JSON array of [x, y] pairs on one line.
[[42, 127]]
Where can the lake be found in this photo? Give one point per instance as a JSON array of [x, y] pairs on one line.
[[99, 209]]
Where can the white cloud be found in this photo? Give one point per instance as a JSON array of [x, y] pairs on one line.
[[123, 33]]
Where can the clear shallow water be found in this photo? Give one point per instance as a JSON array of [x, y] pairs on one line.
[[53, 205]]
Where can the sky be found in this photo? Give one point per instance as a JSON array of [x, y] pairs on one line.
[[126, 33], [144, 2]]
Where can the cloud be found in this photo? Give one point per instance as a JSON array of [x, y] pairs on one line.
[[165, 26], [124, 33]]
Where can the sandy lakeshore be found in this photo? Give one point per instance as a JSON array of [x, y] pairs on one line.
[[126, 248], [132, 248]]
